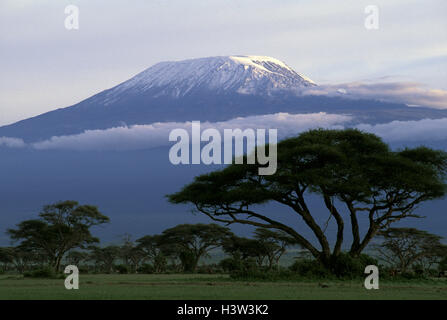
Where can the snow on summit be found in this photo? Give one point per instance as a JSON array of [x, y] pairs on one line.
[[241, 74]]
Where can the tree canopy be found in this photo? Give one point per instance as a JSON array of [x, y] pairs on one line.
[[105, 257], [354, 173], [405, 247], [152, 245], [275, 244], [189, 242], [241, 249], [61, 226]]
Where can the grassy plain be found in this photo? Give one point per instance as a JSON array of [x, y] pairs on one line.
[[211, 287]]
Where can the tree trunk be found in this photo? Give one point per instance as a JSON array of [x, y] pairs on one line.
[[357, 250], [57, 264]]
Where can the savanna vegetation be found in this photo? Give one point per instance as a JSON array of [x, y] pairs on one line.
[[353, 173]]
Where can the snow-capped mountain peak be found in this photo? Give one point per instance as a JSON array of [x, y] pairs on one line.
[[241, 74], [207, 89]]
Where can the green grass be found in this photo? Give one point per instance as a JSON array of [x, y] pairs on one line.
[[190, 287]]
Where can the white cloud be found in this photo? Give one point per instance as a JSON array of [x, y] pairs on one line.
[[140, 137], [410, 93], [153, 135], [420, 130], [11, 142]]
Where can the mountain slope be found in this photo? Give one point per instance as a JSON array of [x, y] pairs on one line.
[[205, 89], [241, 74]]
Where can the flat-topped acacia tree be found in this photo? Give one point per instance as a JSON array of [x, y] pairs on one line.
[[190, 242], [354, 173], [60, 227]]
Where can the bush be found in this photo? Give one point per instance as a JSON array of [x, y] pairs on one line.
[[122, 269], [46, 272], [83, 270], [432, 273], [419, 270], [442, 266], [237, 264], [391, 273], [310, 269], [246, 269], [146, 268], [231, 264], [343, 267]]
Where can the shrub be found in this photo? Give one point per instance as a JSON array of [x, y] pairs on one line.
[[146, 268], [432, 273], [45, 272], [122, 269], [309, 269], [83, 270], [410, 275], [343, 266], [231, 264], [442, 266], [419, 270], [346, 266]]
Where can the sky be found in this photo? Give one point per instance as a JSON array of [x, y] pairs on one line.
[[44, 66]]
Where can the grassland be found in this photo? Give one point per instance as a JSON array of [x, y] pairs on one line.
[[193, 287]]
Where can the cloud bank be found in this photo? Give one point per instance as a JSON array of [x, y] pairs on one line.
[[11, 142], [153, 135], [410, 93], [139, 137], [409, 131]]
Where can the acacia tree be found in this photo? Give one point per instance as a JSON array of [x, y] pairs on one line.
[[434, 256], [24, 258], [442, 266], [76, 257], [6, 257], [131, 254], [151, 247], [61, 227], [354, 173], [267, 245], [406, 247], [190, 242], [104, 258], [240, 249], [275, 244]]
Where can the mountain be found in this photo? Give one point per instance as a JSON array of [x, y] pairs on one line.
[[130, 186], [237, 74], [205, 89]]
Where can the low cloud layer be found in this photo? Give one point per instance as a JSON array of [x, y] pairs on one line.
[[154, 135], [409, 131], [140, 137], [410, 93], [11, 142]]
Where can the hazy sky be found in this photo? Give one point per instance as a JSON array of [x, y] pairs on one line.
[[44, 66]]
